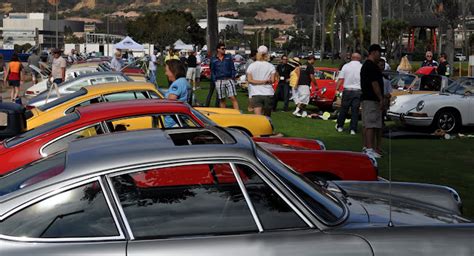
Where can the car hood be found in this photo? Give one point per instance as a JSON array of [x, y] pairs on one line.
[[405, 103], [410, 204]]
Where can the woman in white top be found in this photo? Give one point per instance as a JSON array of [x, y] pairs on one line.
[[261, 75]]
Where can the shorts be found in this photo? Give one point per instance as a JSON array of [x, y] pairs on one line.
[[14, 83], [191, 74], [302, 95], [262, 101], [371, 114], [225, 88]]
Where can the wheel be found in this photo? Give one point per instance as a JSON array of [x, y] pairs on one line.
[[448, 120]]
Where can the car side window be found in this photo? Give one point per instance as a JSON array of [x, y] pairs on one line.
[[274, 213], [80, 212], [85, 103], [198, 199], [154, 95], [77, 85], [63, 142], [156, 121], [3, 120], [120, 96]]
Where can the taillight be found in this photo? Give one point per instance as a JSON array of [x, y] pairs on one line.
[[29, 92]]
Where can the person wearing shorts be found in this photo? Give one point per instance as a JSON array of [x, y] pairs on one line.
[[261, 75], [305, 78], [191, 72], [223, 74], [14, 75], [372, 101]]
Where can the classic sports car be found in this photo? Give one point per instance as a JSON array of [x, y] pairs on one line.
[[447, 110], [73, 85], [323, 94], [98, 119], [208, 191], [254, 125], [404, 84]]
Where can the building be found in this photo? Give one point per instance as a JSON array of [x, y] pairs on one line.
[[224, 22], [36, 29]]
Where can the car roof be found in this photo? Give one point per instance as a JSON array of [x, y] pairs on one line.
[[131, 107], [327, 69], [120, 86], [90, 156]]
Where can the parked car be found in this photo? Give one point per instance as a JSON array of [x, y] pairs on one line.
[[448, 110], [208, 191], [460, 57], [73, 85], [403, 84], [254, 125], [323, 94], [205, 69], [97, 119]]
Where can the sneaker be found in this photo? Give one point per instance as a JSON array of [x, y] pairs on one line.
[[296, 111], [339, 129], [304, 114], [353, 132], [297, 114], [371, 152]]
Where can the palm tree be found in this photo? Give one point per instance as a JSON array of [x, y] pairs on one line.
[[339, 12]]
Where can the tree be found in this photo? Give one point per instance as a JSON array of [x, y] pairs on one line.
[[164, 28], [392, 34], [449, 13]]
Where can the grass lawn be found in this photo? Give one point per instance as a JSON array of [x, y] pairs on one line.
[[444, 162]]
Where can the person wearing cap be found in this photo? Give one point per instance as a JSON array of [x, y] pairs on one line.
[[223, 74], [58, 67], [261, 75], [372, 100], [191, 72], [152, 67], [444, 68], [283, 89], [116, 62], [303, 92], [350, 76]]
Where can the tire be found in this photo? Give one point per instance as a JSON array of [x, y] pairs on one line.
[[447, 120]]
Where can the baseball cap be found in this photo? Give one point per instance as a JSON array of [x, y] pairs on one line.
[[262, 49], [294, 62]]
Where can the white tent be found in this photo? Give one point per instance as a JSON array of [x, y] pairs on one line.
[[180, 45], [128, 44]]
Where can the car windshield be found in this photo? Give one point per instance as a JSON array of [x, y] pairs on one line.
[[41, 129], [461, 86], [63, 99], [33, 173], [203, 118], [316, 197]]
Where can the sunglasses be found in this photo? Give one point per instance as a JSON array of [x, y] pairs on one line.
[[284, 59], [222, 48]]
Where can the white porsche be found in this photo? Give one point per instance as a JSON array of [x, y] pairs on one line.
[[448, 110]]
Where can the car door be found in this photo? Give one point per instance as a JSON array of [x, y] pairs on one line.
[[77, 220], [217, 208]]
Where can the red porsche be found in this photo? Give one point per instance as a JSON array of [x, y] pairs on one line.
[[323, 94]]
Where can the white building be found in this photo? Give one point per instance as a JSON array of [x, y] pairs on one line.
[[224, 22], [35, 28]]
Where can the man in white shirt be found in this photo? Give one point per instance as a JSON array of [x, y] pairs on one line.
[[152, 67], [350, 76], [261, 75]]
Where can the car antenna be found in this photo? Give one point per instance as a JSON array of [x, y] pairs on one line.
[[390, 223]]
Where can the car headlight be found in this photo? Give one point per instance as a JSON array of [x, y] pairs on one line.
[[420, 105], [393, 101], [321, 144], [323, 90]]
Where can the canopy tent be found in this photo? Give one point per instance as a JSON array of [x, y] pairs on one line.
[[180, 45], [129, 44]]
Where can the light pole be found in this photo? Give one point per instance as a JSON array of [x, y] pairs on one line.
[[375, 22]]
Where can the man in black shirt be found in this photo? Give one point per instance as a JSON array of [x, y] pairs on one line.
[[283, 89], [303, 89], [444, 68], [191, 73], [372, 100]]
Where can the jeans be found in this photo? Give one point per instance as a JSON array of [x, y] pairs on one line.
[[152, 77], [350, 99], [282, 92]]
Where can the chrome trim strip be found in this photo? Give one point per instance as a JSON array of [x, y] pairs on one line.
[[53, 193], [247, 198], [119, 207], [62, 136], [287, 201]]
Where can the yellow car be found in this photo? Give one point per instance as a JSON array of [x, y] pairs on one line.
[[254, 125]]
